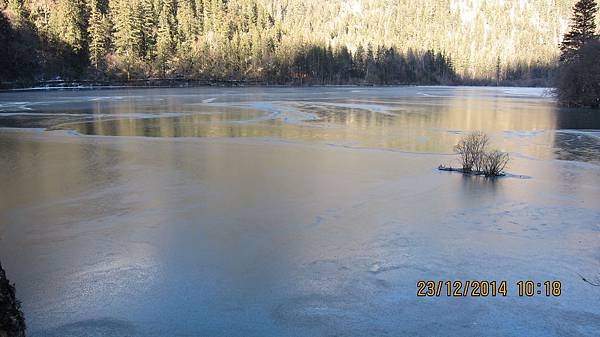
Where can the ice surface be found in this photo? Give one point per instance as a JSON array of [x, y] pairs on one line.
[[277, 228]]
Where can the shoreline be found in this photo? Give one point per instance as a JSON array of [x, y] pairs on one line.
[[168, 84]]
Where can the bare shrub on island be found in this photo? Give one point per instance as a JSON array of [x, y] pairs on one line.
[[494, 163], [471, 149], [475, 157]]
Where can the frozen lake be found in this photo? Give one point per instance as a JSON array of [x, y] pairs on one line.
[[295, 211]]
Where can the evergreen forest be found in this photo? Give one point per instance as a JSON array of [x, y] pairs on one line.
[[287, 41]]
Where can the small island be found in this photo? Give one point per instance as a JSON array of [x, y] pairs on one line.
[[476, 159]]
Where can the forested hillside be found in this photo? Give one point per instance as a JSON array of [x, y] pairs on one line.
[[307, 41]]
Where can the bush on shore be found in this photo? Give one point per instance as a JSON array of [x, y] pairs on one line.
[[12, 323]]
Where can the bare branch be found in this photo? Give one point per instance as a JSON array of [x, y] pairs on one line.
[[589, 282]]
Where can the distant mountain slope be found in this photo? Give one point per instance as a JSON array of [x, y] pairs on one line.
[[316, 41], [474, 32]]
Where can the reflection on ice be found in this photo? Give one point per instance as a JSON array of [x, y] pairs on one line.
[[523, 121]]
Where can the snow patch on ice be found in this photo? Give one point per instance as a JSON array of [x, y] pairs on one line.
[[281, 111], [430, 95], [509, 134], [377, 268], [376, 108], [8, 114], [11, 106], [527, 92]]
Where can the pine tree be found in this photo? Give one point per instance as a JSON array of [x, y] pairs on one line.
[[217, 16], [98, 29], [207, 15], [124, 34], [583, 28], [149, 19], [186, 26], [370, 68], [187, 31], [578, 81], [199, 11], [498, 71], [165, 39], [128, 36], [67, 24], [578, 76], [137, 29], [359, 67]]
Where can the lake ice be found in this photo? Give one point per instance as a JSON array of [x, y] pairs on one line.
[[295, 211]]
